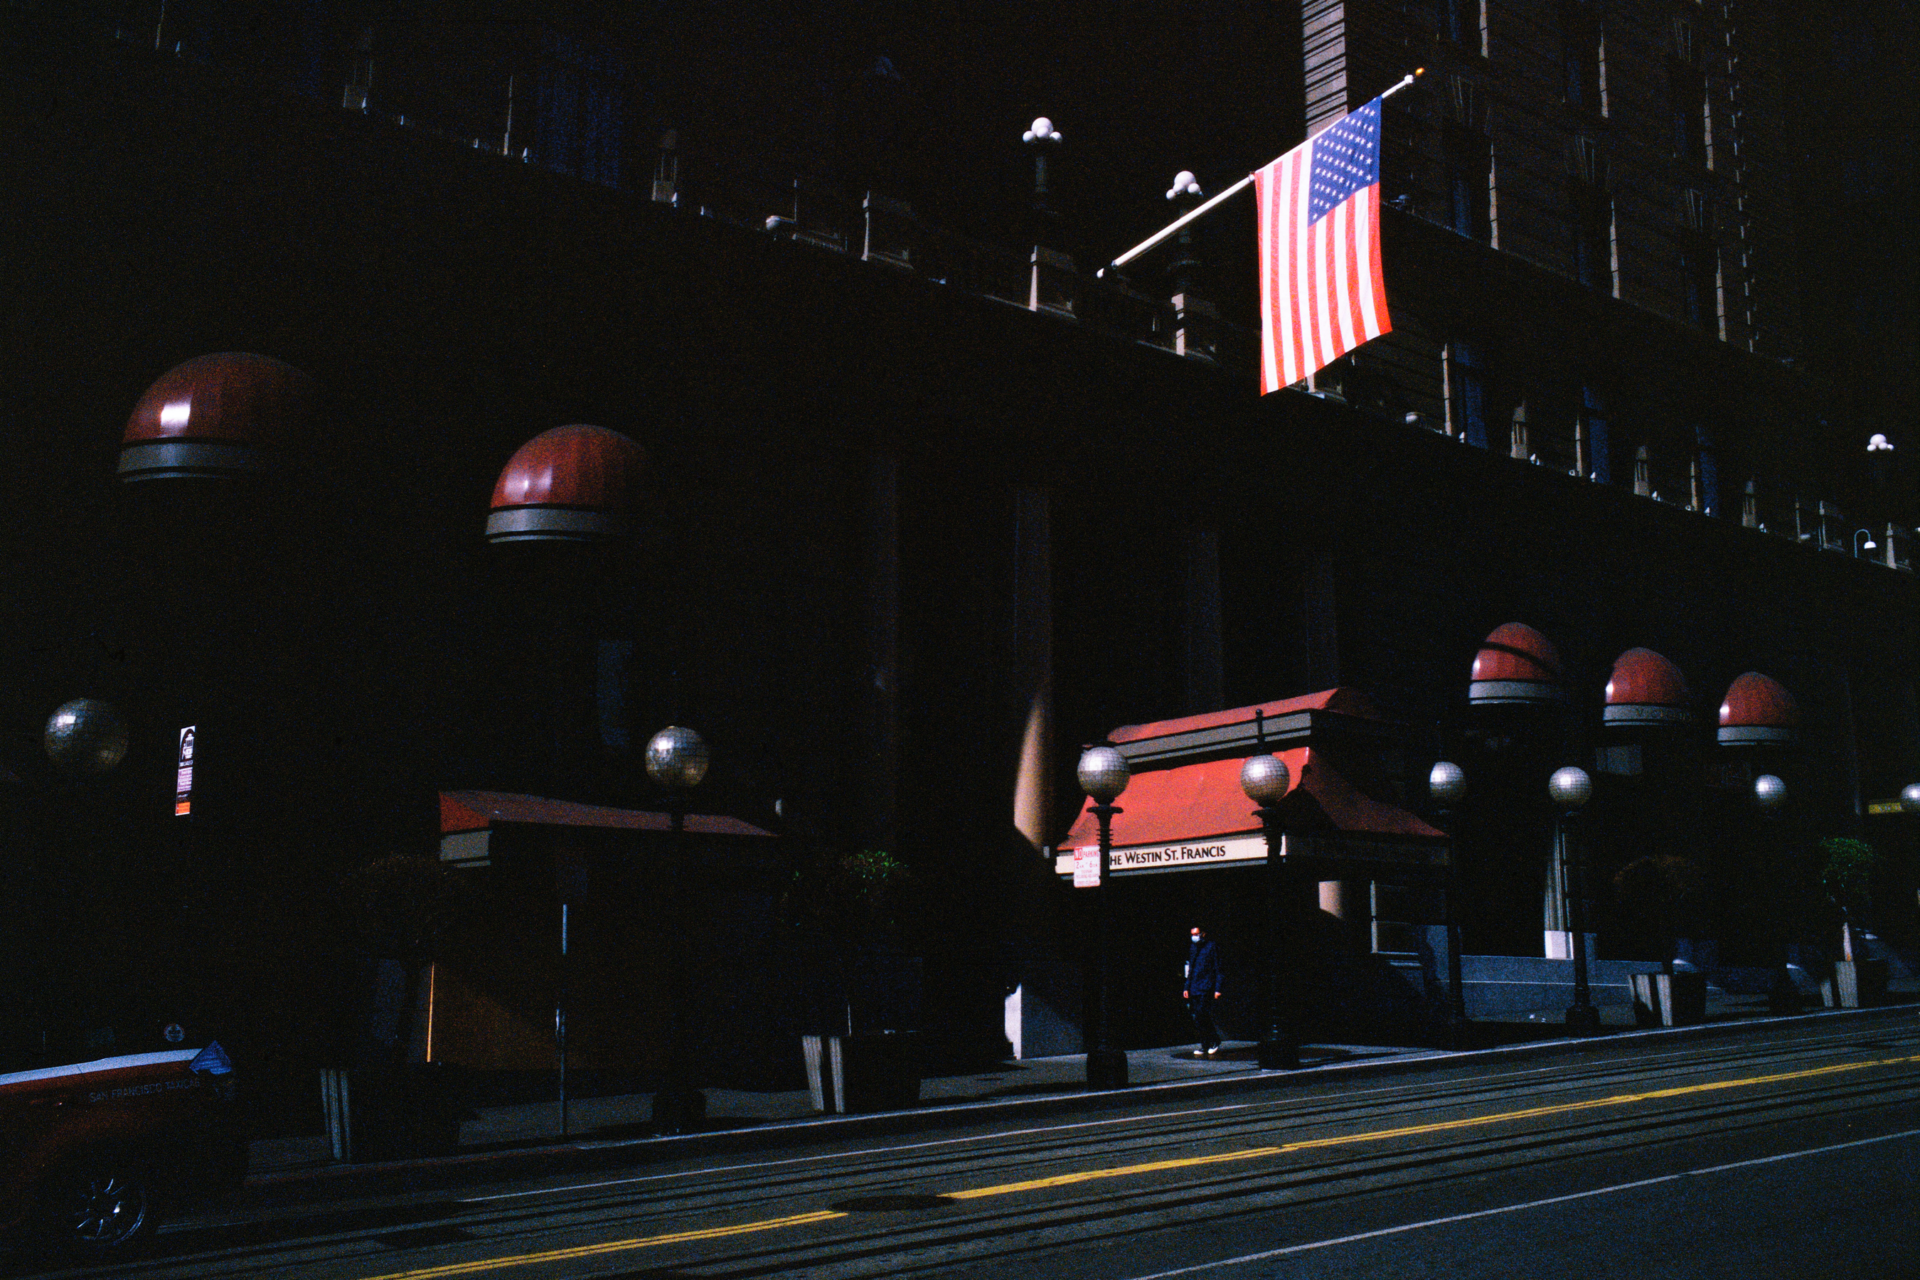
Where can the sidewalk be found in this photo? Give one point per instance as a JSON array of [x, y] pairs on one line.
[[525, 1139], [628, 1116]]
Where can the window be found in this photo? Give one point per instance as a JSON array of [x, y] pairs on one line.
[[1469, 182], [1451, 21], [1582, 58], [1590, 439], [1466, 390], [581, 96], [1699, 264], [1706, 472], [1664, 469], [1591, 212], [1555, 437], [1687, 106], [1593, 238]]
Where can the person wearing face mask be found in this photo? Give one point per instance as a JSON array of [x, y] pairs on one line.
[[1202, 989]]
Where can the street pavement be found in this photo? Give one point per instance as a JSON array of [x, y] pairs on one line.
[[1758, 1147], [605, 1130]]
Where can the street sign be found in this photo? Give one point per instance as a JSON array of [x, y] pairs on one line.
[[1086, 868]]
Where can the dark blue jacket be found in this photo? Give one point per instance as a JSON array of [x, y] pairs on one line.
[[1203, 967]]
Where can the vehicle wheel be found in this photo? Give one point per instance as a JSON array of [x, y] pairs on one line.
[[101, 1210]]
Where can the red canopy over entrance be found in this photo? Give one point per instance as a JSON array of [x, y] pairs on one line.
[[1195, 815]]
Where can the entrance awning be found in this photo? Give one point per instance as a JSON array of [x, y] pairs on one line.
[[467, 819], [1196, 815]]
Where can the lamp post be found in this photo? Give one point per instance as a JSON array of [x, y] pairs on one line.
[[1265, 779], [677, 760], [1040, 137], [1103, 775], [1868, 545], [1770, 798], [1570, 789], [1447, 786]]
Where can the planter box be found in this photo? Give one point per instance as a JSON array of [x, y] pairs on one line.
[[877, 1072], [1856, 984], [1669, 999], [394, 1114]]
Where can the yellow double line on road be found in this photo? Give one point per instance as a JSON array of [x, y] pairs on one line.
[[1152, 1166]]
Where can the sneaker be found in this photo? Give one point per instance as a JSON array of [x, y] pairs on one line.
[[1213, 1050], [1199, 1053]]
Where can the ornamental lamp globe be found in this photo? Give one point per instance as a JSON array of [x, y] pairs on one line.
[[1265, 779], [1103, 774], [1769, 793], [1447, 783], [1570, 788], [677, 758], [86, 736]]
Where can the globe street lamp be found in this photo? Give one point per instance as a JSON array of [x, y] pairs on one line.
[[1265, 780], [1570, 789], [1103, 775], [86, 736], [677, 760], [1447, 786]]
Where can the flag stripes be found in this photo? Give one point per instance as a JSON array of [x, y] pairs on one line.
[[1321, 289]]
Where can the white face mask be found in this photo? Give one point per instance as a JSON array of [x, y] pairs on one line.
[[1196, 937]]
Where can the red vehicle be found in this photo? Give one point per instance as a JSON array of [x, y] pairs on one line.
[[92, 1153]]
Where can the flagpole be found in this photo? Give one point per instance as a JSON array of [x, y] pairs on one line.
[[1233, 190]]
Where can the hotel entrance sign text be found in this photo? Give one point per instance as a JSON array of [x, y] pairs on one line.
[[1189, 855]]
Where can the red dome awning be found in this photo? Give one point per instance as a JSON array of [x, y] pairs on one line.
[[572, 483], [1646, 689], [1758, 711], [220, 415], [1516, 665]]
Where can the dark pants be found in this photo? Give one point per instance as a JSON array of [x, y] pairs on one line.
[[1200, 1005]]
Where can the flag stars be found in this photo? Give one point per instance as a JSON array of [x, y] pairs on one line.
[[1346, 159]]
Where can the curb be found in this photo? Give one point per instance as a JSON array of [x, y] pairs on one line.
[[449, 1172]]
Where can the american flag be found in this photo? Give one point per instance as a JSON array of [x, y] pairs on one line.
[[1321, 291]]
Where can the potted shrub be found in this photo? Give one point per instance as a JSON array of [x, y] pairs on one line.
[[1662, 893], [1846, 873], [852, 912]]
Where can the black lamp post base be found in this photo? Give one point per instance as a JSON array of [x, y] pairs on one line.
[[1106, 1068], [1583, 1020], [1784, 999], [1279, 1055], [1457, 1033], [679, 1110]]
